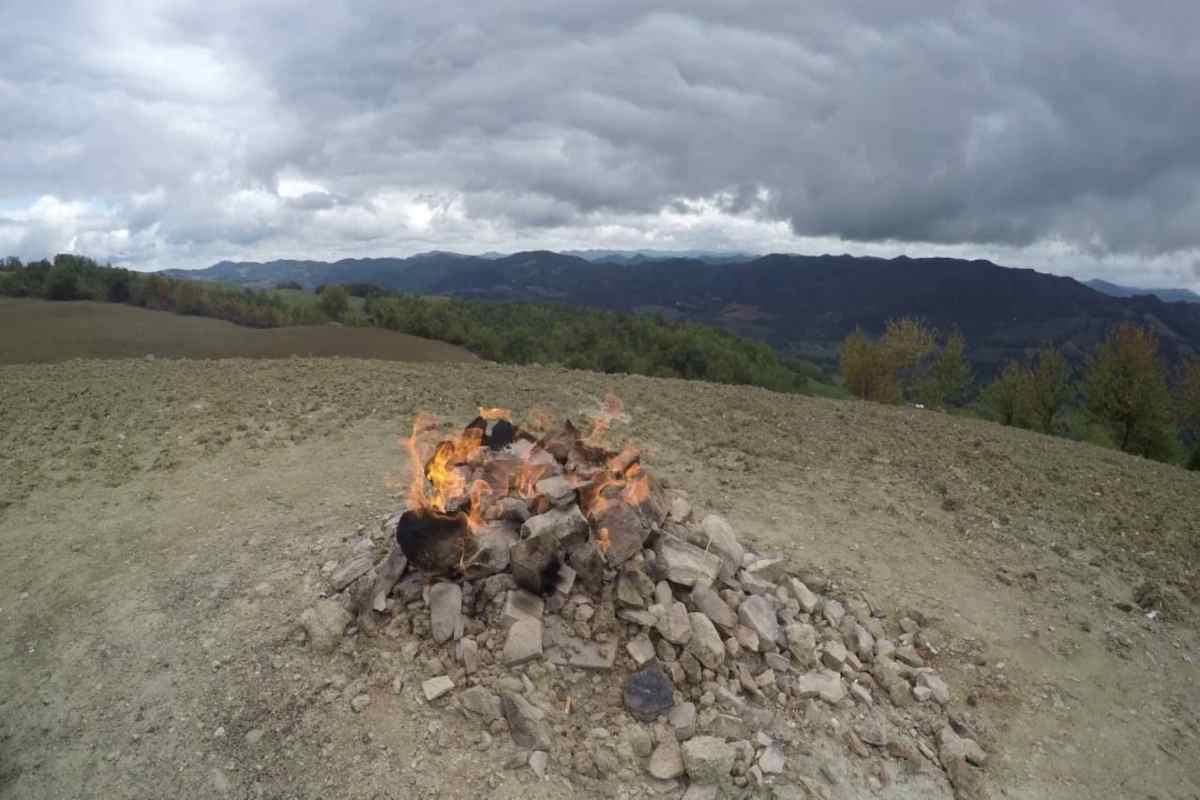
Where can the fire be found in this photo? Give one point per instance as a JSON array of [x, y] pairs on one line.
[[492, 414], [416, 485], [637, 488], [603, 541], [611, 411]]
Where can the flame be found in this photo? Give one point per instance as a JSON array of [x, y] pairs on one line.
[[540, 419], [612, 410], [494, 413], [416, 484], [637, 488], [475, 515]]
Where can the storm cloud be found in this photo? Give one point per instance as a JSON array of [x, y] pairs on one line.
[[158, 134]]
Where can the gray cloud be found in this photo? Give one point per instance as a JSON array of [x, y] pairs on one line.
[[1058, 138]]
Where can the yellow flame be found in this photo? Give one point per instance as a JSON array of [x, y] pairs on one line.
[[494, 413]]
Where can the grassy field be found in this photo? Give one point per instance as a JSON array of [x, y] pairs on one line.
[[36, 331]]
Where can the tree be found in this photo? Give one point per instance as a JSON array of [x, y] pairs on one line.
[[948, 375], [335, 301], [907, 343], [1005, 396], [866, 369], [62, 283], [1048, 387], [1126, 389], [189, 298], [1187, 406]]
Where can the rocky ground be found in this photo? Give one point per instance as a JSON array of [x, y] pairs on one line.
[[164, 525]]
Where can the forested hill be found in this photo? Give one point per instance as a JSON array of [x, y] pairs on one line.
[[804, 305]]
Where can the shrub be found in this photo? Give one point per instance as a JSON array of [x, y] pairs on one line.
[[335, 301]]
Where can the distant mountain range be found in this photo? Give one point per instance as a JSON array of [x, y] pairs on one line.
[[1168, 295], [804, 305]]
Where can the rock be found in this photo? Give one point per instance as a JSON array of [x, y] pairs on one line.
[[698, 792], [436, 687], [570, 651], [862, 694], [538, 761], [936, 686], [757, 614], [639, 740], [566, 527], [526, 722], [884, 648], [640, 649], [627, 531], [709, 603], [683, 721], [833, 655], [360, 702], [524, 642], [588, 562], [534, 561], [833, 611], [746, 638], [520, 604], [771, 761], [824, 684], [952, 747], [807, 600], [387, 575], [723, 541], [557, 489], [351, 570], [900, 694], [325, 623], [685, 564], [681, 509], [628, 593], [802, 643], [777, 662], [479, 700], [648, 693], [770, 570], [666, 651], [921, 694], [909, 625], [638, 617], [492, 550], [674, 625], [445, 611], [862, 643], [705, 644], [707, 760], [667, 760], [467, 652], [908, 655]]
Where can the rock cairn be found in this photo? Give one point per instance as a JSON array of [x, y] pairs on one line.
[[608, 634]]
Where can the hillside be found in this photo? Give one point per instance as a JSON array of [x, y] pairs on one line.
[[804, 305], [1166, 295], [39, 331], [164, 523]]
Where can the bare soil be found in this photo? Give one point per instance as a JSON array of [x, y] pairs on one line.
[[38, 331], [163, 523]]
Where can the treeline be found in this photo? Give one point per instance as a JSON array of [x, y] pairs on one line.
[[511, 333], [1124, 396]]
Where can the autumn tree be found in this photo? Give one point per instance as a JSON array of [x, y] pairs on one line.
[[1126, 388], [866, 369], [335, 301]]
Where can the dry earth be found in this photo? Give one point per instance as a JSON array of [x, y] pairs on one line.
[[163, 523]]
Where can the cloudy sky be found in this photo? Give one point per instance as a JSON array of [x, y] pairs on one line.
[[1062, 136]]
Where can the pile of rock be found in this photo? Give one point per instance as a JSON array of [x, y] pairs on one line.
[[721, 651]]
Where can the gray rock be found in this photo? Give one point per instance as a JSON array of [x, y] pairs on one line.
[[526, 722], [638, 617], [557, 489], [757, 614], [567, 526], [922, 694], [952, 747], [492, 550], [723, 541], [436, 687], [639, 739], [570, 651], [824, 684], [709, 603], [663, 595], [708, 760], [767, 569], [325, 623], [777, 662], [520, 604], [628, 593], [705, 643], [698, 792], [771, 761], [524, 642], [640, 649], [833, 655], [807, 600], [674, 626], [387, 575], [685, 564], [530, 560], [802, 643], [445, 611], [746, 638], [884, 648], [352, 570], [936, 686], [681, 509], [862, 643], [648, 693], [833, 611], [467, 652], [667, 760], [752, 584], [683, 721], [360, 702], [538, 761], [908, 655], [479, 700]]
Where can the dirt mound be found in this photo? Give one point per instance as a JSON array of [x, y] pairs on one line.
[[163, 526]]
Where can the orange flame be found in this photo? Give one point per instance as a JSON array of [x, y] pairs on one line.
[[416, 484], [602, 541], [637, 489], [611, 410], [494, 413]]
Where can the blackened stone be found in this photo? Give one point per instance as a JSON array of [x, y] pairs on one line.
[[501, 435], [649, 693], [588, 563], [535, 563]]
